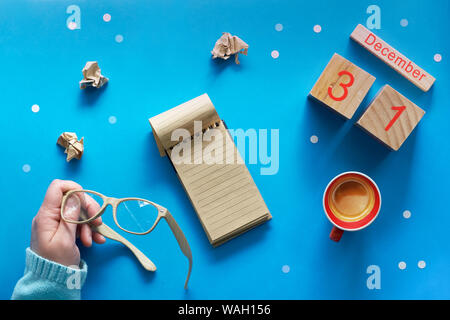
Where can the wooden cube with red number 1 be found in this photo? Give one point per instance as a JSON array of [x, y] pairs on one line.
[[342, 86], [391, 117]]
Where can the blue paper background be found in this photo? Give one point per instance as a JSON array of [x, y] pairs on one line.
[[164, 60]]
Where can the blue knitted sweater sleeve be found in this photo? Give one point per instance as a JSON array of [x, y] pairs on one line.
[[45, 279]]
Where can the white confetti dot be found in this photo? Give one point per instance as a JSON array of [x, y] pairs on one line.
[[437, 57], [35, 108], [279, 27], [72, 25], [404, 22], [275, 54], [112, 120], [107, 17], [119, 38], [285, 269], [314, 139], [26, 168], [406, 214], [402, 265], [421, 264], [317, 28]]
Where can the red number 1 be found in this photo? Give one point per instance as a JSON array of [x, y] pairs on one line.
[[343, 85], [399, 112]]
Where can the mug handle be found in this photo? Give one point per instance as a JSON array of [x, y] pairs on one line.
[[336, 234]]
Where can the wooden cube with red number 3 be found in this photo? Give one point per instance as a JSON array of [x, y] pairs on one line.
[[391, 117], [342, 86]]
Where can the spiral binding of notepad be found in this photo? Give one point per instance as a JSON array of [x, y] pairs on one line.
[[215, 125]]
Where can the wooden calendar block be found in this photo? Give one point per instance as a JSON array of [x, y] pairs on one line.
[[392, 57], [391, 117], [342, 86]]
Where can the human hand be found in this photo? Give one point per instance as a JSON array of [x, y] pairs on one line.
[[53, 238]]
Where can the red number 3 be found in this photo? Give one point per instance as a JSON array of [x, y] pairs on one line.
[[343, 85]]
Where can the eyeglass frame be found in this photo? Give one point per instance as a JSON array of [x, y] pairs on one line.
[[114, 202]]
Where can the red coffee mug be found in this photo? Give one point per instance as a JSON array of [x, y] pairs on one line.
[[351, 202]]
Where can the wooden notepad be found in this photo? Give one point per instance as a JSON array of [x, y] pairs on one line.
[[211, 169]]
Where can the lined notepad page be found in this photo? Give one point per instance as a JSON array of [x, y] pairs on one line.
[[223, 193], [213, 174]]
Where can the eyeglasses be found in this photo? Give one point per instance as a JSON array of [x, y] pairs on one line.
[[133, 215]]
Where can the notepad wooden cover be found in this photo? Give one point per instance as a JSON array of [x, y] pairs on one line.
[[224, 195]]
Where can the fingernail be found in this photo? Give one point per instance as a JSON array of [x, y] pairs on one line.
[[72, 207]]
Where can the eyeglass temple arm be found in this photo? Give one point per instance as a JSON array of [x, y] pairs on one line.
[[109, 233], [182, 242]]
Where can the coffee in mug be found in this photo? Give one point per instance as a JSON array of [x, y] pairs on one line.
[[351, 202]]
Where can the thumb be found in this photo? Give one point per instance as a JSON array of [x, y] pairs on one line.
[[72, 209]]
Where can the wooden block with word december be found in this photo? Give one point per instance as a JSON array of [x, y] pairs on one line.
[[392, 58], [342, 86], [391, 117]]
